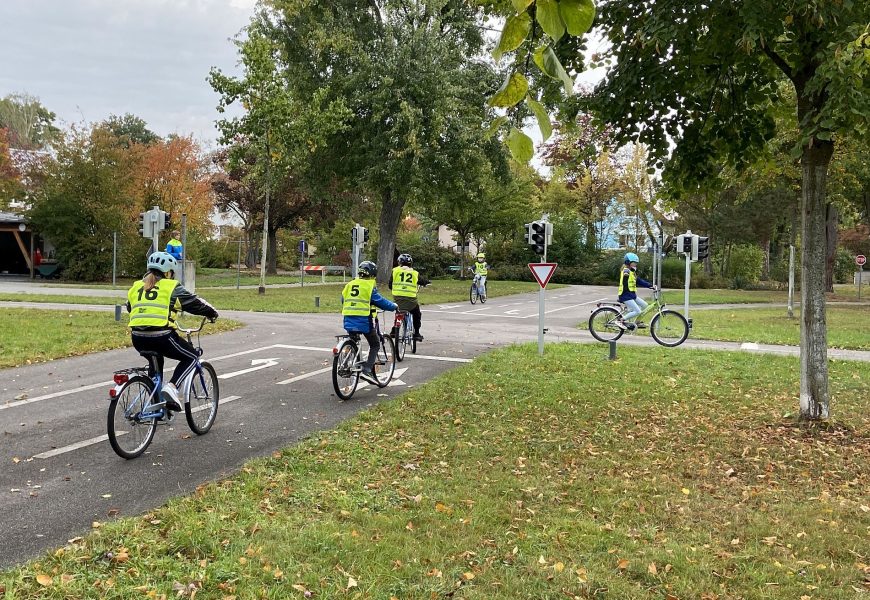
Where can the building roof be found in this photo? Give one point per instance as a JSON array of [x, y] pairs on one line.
[[8, 217]]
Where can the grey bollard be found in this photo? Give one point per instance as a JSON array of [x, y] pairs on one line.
[[316, 301], [117, 312], [612, 351]]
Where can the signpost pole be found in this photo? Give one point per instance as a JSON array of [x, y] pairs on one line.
[[860, 260]]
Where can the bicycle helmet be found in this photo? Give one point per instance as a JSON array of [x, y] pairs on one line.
[[405, 259], [631, 257], [481, 256], [163, 262], [367, 269]]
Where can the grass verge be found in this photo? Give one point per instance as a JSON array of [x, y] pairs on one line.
[[299, 300], [662, 475], [32, 336]]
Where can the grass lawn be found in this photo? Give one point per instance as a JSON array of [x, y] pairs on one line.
[[723, 296], [31, 336], [848, 326], [666, 474], [295, 300]]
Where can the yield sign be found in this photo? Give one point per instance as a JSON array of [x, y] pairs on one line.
[[543, 272]]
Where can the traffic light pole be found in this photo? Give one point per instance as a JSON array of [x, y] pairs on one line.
[[688, 257]]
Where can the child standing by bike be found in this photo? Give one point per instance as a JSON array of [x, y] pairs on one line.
[[153, 304], [360, 299], [628, 282], [404, 281]]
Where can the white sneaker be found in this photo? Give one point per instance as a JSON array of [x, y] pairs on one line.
[[169, 394]]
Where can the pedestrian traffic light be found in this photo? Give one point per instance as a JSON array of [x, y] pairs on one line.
[[359, 235], [539, 237], [146, 228], [528, 234], [167, 221], [700, 247], [142, 224], [684, 243]]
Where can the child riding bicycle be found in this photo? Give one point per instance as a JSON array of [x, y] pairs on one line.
[[628, 282], [153, 304], [480, 270], [360, 299], [404, 281]]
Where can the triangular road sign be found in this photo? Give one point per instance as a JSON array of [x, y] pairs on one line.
[[543, 272]]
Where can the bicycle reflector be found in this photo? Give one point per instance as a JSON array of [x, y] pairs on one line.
[[121, 378]]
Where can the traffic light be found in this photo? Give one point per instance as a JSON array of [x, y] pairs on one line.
[[359, 235], [146, 227], [539, 237], [167, 221], [142, 224], [528, 234], [684, 243], [700, 247]]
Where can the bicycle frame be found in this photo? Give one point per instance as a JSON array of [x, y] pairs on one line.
[[655, 306]]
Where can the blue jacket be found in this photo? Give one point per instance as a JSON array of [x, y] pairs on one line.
[[174, 248], [364, 324]]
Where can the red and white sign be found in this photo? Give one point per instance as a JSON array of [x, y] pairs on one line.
[[543, 272], [860, 260]]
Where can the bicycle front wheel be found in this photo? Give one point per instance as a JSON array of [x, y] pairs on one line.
[[400, 339], [602, 324], [130, 435], [385, 366], [344, 377], [201, 404], [472, 294], [669, 328]]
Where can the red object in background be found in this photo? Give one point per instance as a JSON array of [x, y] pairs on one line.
[[37, 258]]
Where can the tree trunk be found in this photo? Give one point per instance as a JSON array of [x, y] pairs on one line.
[[253, 250], [814, 399], [765, 263], [832, 222], [391, 214], [272, 253]]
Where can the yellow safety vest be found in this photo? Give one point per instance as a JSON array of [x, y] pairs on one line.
[[632, 280], [152, 308], [357, 298], [405, 282], [480, 269]]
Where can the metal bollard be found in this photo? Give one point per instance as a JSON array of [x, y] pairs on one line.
[[117, 312], [316, 301], [612, 351]]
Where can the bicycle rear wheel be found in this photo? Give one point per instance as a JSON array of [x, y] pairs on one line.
[[602, 324], [344, 377], [400, 339], [385, 366], [128, 434], [669, 328], [201, 404], [472, 294]]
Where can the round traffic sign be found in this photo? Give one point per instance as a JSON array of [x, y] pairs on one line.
[[860, 260]]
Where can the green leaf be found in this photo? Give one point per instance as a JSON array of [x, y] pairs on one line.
[[494, 126], [520, 145], [513, 35], [550, 66], [521, 5], [512, 91], [548, 17], [543, 117], [578, 15]]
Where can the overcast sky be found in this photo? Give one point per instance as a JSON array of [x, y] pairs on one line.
[[87, 59]]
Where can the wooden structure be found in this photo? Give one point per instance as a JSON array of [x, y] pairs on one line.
[[15, 233]]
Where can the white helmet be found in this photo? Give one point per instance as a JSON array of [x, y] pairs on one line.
[[163, 262]]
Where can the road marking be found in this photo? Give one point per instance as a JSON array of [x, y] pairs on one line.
[[447, 306], [256, 365], [105, 437], [444, 358], [512, 312], [566, 307], [84, 388], [304, 376], [468, 312]]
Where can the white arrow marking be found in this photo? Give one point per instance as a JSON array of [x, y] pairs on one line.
[[511, 312], [304, 376], [256, 365], [446, 306], [396, 382]]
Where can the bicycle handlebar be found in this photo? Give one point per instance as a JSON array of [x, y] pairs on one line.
[[191, 330]]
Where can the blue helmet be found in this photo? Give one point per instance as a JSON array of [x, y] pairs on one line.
[[631, 257]]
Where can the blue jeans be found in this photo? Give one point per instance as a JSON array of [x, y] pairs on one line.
[[635, 308]]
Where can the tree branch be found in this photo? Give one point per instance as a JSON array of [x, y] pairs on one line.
[[779, 62]]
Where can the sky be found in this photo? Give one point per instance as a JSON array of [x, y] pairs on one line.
[[88, 59]]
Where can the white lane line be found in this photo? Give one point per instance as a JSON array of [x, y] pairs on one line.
[[256, 365], [104, 437], [575, 305], [444, 358], [468, 312], [512, 312], [453, 312], [84, 388], [304, 376]]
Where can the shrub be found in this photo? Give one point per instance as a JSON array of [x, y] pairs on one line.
[[745, 264], [219, 254], [844, 266]]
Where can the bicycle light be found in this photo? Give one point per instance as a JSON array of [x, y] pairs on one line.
[[121, 378], [335, 349], [113, 392]]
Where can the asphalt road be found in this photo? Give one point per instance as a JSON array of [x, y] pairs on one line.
[[59, 473]]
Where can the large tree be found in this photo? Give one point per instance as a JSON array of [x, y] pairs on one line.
[[30, 125], [10, 177], [705, 76], [407, 73]]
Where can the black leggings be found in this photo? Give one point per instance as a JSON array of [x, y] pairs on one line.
[[412, 306], [167, 344]]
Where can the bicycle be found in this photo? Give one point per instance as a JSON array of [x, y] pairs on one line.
[[477, 292], [348, 362], [667, 327], [403, 334], [135, 408]]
